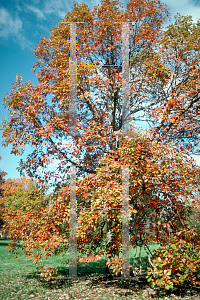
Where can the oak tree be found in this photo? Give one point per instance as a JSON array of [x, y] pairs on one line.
[[163, 83], [39, 115]]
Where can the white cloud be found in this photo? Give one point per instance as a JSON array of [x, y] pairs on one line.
[[23, 42], [184, 7], [197, 158], [11, 27], [58, 7], [8, 25], [61, 7], [37, 11]]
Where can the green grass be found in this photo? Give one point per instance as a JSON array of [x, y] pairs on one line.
[[19, 281]]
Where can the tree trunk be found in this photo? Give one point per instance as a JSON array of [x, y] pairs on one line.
[[113, 252]]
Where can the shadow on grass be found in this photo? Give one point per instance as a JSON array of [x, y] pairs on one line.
[[138, 285], [62, 279], [94, 273], [7, 241]]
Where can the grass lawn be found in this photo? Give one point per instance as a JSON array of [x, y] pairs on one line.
[[18, 281]]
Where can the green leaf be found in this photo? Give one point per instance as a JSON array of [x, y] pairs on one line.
[[152, 284]]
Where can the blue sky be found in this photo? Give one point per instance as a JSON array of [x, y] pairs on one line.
[[22, 23]]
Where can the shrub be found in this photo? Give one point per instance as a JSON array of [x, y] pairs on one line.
[[176, 262]]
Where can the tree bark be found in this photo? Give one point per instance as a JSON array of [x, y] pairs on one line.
[[110, 250]]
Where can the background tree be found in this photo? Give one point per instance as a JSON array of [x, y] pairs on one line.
[[20, 195], [193, 216]]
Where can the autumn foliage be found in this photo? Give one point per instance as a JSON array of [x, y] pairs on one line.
[[159, 193], [20, 196], [164, 179], [44, 124], [178, 261]]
